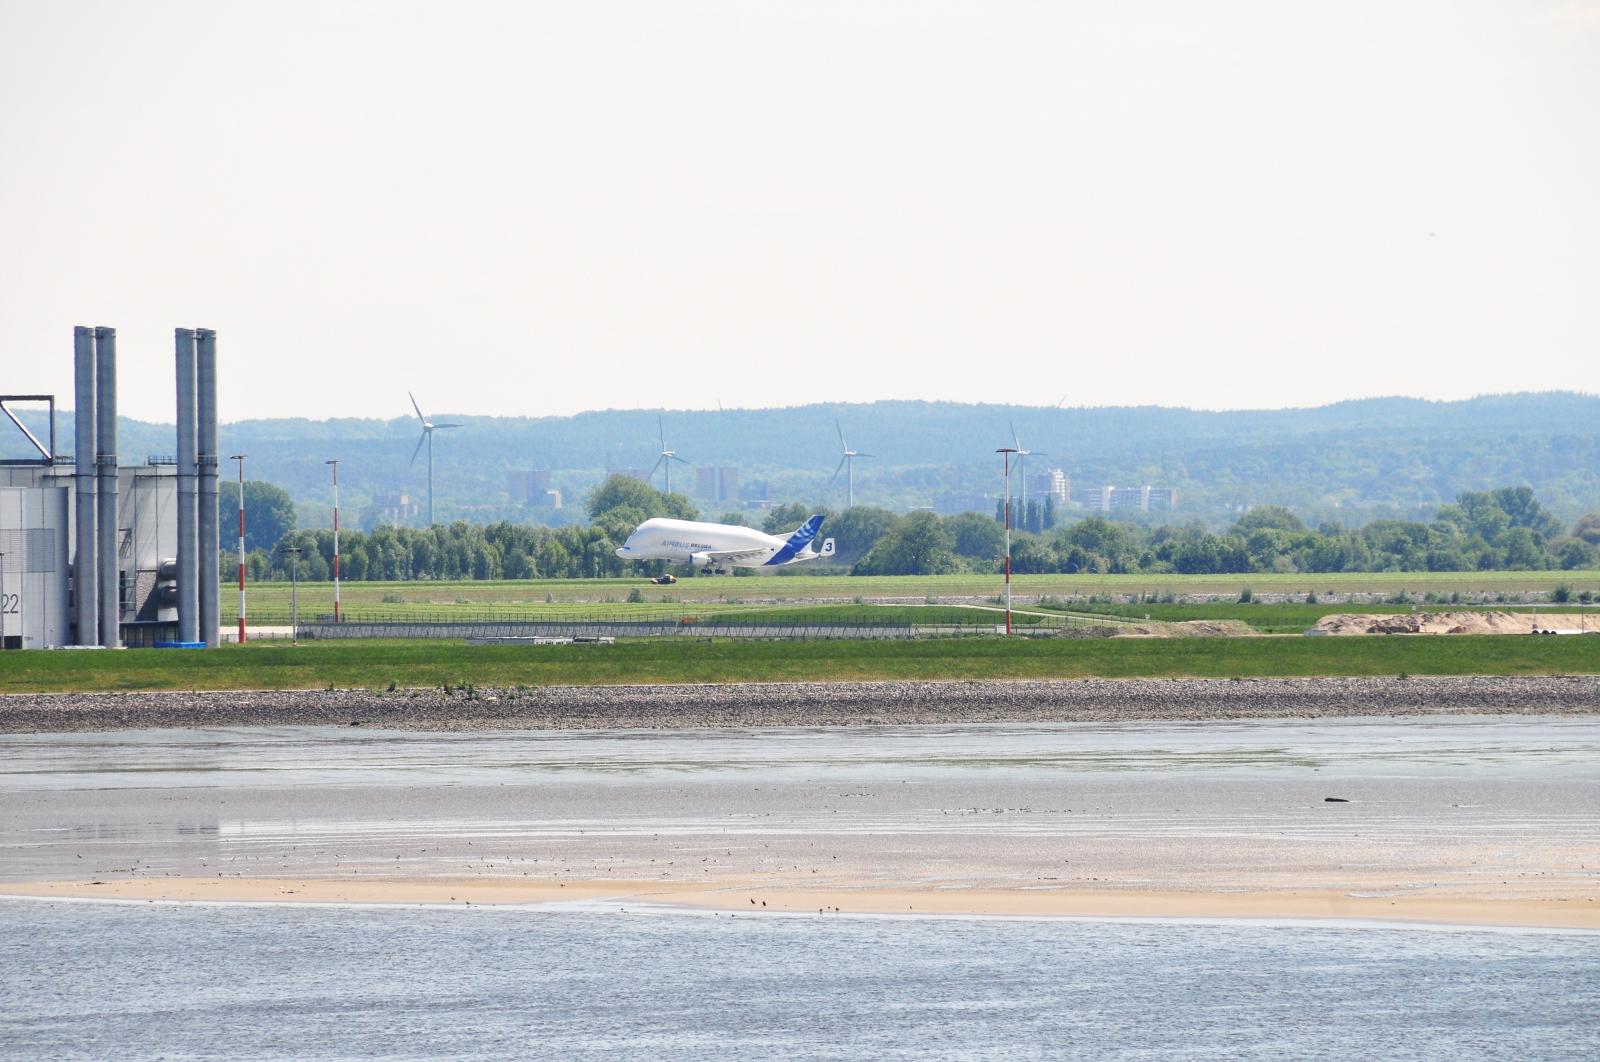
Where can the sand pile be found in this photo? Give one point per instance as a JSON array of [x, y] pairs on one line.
[[1454, 623]]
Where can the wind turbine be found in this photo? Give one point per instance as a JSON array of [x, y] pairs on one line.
[[848, 463], [1022, 467], [664, 462], [428, 428]]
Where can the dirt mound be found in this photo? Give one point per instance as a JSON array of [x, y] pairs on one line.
[[1212, 629], [1451, 623], [1188, 629]]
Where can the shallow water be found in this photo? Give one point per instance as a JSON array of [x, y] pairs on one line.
[[1442, 801], [84, 980]]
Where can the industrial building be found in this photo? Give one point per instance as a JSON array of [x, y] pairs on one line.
[[397, 510], [95, 552]]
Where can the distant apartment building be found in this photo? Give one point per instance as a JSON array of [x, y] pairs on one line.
[[717, 484], [532, 488], [1109, 498], [953, 502], [1161, 499], [1052, 482]]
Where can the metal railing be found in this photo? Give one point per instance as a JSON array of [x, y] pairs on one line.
[[456, 625]]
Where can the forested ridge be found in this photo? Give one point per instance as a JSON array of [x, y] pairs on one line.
[[1348, 462]]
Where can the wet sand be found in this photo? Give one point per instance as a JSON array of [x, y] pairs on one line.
[[1453, 820], [757, 897], [807, 703]]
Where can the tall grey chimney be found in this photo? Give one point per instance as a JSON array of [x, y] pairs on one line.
[[85, 573], [206, 461], [105, 461], [188, 568]]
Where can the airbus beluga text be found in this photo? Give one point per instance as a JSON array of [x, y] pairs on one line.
[[718, 547]]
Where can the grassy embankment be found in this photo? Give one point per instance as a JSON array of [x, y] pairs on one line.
[[377, 664], [596, 598]]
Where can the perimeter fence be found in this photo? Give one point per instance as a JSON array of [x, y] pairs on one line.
[[490, 627]]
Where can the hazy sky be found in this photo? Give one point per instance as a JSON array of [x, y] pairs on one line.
[[522, 208]]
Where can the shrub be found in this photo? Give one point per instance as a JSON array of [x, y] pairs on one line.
[[1561, 594], [1246, 596]]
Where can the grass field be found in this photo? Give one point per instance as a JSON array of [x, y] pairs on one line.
[[594, 598], [378, 664]]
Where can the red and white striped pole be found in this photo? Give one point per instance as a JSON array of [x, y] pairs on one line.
[[335, 464], [1008, 451], [240, 458]]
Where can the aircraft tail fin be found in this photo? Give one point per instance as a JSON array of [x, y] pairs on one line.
[[808, 531], [827, 548], [798, 542]]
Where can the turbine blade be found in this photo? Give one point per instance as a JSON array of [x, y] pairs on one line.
[[836, 470], [416, 407], [863, 455], [842, 444], [447, 425], [1014, 444], [420, 440], [657, 466], [661, 428], [678, 459]]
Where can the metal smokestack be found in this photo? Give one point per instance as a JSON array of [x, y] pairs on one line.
[[105, 461], [206, 463], [188, 566], [85, 574]]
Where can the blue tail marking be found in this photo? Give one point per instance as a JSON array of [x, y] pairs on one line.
[[797, 541]]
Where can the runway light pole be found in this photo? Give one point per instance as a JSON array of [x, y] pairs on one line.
[[335, 464], [1008, 451], [240, 458], [294, 592]]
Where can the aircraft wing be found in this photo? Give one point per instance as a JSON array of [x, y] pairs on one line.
[[734, 556]]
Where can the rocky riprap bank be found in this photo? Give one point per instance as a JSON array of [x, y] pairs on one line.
[[807, 704]]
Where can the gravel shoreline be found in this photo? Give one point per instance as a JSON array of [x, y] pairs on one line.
[[807, 704]]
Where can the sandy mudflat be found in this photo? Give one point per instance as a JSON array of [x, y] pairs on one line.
[[808, 704], [1446, 819], [756, 897]]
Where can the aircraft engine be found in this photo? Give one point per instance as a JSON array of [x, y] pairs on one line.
[[700, 560]]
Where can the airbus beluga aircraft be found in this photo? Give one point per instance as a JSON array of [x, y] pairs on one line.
[[718, 547]]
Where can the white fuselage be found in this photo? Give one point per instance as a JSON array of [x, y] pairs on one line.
[[708, 545]]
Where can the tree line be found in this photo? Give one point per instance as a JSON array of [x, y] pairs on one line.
[[1487, 530]]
